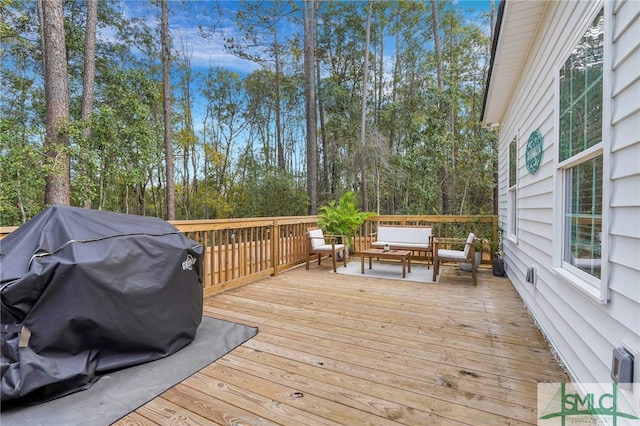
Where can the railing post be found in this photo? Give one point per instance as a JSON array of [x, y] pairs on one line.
[[275, 246]]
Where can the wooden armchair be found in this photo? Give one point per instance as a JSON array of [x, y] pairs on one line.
[[466, 255], [317, 244]]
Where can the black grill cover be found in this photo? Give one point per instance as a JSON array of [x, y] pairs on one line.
[[85, 292]]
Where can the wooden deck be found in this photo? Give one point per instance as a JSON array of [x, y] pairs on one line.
[[336, 349]]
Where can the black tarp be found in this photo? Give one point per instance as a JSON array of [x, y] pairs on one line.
[[85, 292]]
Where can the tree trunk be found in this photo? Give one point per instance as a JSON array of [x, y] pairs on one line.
[[188, 133], [394, 93], [278, 113], [309, 8], [88, 81], [444, 175], [166, 105], [57, 101], [436, 43], [323, 137], [363, 116], [380, 84]]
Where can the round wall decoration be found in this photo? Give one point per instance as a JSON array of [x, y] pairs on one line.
[[533, 156]]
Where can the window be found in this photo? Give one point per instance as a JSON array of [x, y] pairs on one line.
[[513, 193], [583, 223], [581, 153]]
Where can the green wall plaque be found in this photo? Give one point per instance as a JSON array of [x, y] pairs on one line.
[[533, 156]]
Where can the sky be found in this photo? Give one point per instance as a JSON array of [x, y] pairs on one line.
[[188, 17], [185, 22]]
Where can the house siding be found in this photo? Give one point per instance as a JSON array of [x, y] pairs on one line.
[[581, 330]]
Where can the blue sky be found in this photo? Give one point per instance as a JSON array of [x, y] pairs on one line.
[[187, 17], [185, 21]]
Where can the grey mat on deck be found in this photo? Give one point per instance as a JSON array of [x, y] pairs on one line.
[[389, 270], [117, 394]]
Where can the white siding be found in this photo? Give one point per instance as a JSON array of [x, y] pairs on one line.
[[582, 331]]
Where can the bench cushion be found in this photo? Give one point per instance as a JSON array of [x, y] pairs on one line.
[[398, 234], [406, 237]]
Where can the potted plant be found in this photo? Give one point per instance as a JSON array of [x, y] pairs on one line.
[[342, 218], [498, 261]]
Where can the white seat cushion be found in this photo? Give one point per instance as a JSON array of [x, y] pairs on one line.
[[327, 247], [317, 239], [452, 254], [318, 242]]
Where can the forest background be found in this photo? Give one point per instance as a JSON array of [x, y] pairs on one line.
[[397, 93]]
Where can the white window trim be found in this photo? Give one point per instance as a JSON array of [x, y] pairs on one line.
[[513, 202], [596, 289]]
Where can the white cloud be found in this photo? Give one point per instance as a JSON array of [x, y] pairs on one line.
[[187, 23]]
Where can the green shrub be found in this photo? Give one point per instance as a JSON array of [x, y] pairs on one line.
[[342, 217]]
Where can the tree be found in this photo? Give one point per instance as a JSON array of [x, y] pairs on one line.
[[436, 42], [57, 101], [126, 139], [444, 176], [363, 116], [226, 102], [259, 23], [166, 106], [258, 113], [425, 149], [340, 48], [88, 80], [309, 19], [185, 137]]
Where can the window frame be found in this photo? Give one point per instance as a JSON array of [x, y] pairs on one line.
[[512, 191], [596, 288]]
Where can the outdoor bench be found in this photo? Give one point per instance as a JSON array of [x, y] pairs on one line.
[[412, 238]]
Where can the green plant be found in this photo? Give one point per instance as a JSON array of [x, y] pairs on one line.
[[342, 217], [496, 247], [483, 232], [480, 245]]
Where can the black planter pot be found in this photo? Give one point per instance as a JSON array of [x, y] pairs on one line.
[[498, 267]]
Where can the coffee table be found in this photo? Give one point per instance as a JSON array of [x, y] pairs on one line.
[[403, 256]]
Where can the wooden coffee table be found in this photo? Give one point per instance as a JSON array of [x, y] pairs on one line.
[[403, 255]]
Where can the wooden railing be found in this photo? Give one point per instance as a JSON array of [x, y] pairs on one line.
[[242, 250], [238, 251], [6, 230]]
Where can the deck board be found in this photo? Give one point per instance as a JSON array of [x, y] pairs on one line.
[[338, 349]]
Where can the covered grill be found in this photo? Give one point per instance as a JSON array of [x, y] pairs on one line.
[[85, 292]]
